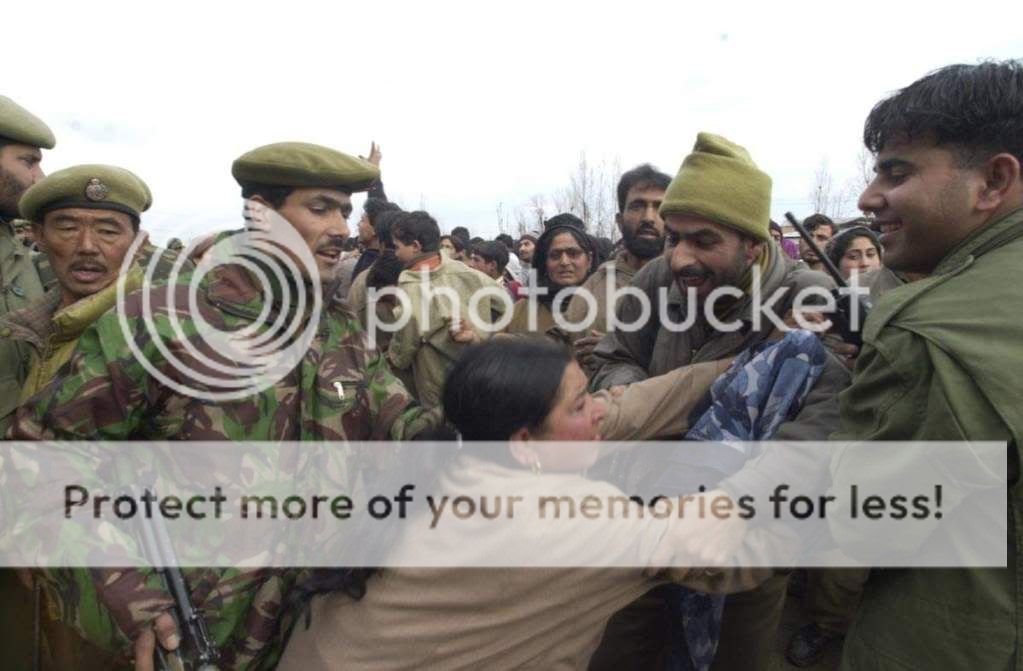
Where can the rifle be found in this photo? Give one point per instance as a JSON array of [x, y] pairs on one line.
[[200, 648], [848, 327]]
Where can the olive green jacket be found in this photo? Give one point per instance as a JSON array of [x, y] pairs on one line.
[[19, 286], [52, 331], [423, 345], [941, 361]]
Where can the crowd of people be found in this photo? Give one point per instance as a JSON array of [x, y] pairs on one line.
[[556, 337]]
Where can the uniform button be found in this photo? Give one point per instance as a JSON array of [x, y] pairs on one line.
[[5, 332]]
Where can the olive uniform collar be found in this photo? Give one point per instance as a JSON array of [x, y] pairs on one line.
[[45, 320]]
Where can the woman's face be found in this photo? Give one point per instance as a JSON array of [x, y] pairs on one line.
[[575, 417], [567, 261], [860, 257]]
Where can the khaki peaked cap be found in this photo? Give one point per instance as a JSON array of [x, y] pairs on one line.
[[300, 164], [19, 125], [98, 187]]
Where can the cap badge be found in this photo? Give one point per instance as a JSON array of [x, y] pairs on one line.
[[96, 190]]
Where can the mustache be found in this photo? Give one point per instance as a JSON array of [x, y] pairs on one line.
[[693, 272], [88, 266], [648, 228], [335, 242]]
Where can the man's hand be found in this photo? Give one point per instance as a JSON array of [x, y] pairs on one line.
[[164, 630], [462, 333], [817, 322], [584, 347], [704, 540], [809, 320], [374, 154]]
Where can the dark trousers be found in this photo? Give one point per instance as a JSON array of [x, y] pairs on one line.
[[636, 636]]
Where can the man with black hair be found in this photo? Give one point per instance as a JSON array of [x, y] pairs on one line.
[[356, 297], [525, 248], [439, 292], [23, 136], [309, 187], [821, 228], [941, 358], [507, 241], [513, 268], [714, 246], [640, 193], [491, 259], [371, 246]]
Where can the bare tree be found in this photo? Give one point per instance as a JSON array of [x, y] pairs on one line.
[[828, 199], [502, 222], [521, 218], [820, 192], [537, 204], [864, 168], [590, 194]]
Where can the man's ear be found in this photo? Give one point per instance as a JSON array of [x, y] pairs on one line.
[[618, 221], [1001, 175], [37, 233], [754, 250]]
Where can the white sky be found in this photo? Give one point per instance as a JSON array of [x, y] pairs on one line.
[[473, 103]]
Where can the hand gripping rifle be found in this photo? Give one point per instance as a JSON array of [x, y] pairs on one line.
[[851, 307], [200, 650]]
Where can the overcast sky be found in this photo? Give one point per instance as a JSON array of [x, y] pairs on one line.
[[474, 104]]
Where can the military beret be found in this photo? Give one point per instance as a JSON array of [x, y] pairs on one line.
[[23, 127], [300, 164], [98, 187]]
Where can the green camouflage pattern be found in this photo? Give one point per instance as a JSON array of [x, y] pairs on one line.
[[20, 285], [106, 394]]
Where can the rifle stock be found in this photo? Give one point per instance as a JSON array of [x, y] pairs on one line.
[[199, 647], [849, 316]]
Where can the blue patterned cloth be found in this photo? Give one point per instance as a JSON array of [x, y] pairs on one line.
[[763, 388]]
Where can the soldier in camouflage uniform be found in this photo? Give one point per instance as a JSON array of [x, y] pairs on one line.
[[340, 390], [22, 136]]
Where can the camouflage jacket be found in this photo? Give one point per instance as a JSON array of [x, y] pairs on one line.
[[53, 331], [109, 395], [20, 285], [340, 390]]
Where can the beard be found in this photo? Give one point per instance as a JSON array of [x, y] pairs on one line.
[[731, 275], [10, 192], [642, 248]]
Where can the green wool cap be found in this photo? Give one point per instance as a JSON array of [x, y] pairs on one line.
[[21, 126], [98, 187], [720, 182], [300, 164]]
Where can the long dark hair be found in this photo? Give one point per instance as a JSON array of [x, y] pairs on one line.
[[503, 385], [543, 246], [493, 390]]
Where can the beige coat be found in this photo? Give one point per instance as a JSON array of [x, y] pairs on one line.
[[424, 347], [538, 618], [600, 284]]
